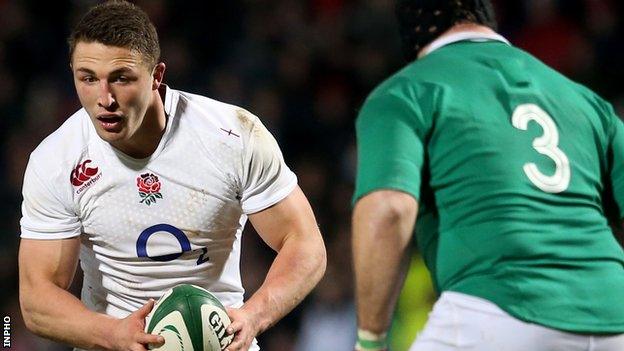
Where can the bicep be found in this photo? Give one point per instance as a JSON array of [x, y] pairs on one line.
[[53, 261], [292, 216]]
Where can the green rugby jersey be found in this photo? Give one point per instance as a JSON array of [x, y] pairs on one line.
[[511, 163]]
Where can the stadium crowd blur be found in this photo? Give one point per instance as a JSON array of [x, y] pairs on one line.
[[304, 67]]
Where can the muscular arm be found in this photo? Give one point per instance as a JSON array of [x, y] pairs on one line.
[[290, 228], [46, 269], [383, 222]]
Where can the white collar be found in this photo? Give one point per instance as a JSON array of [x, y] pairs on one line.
[[171, 100], [467, 35]]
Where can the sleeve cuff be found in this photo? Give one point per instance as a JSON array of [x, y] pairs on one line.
[[256, 206], [30, 234]]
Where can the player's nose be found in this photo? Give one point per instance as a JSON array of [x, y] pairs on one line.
[[106, 98]]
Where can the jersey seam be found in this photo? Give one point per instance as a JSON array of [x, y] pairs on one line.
[[246, 155]]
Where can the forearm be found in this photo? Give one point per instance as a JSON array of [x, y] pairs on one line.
[[62, 317], [381, 236], [380, 265], [297, 268]]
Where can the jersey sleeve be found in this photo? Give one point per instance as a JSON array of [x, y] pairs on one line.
[[390, 134], [617, 169], [266, 177], [44, 214]]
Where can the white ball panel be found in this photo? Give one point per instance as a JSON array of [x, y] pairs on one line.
[[180, 341], [215, 321]]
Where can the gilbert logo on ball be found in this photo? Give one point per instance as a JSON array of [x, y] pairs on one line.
[[190, 318]]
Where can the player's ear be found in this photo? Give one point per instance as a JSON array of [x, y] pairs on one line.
[[157, 75]]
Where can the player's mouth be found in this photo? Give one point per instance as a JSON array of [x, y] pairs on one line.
[[110, 122]]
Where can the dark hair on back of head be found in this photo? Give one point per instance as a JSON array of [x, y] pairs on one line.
[[421, 21], [118, 23]]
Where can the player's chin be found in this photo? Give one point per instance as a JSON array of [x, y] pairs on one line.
[[111, 138]]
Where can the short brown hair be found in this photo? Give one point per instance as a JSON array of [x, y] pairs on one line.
[[118, 23]]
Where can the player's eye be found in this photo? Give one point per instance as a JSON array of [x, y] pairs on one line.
[[88, 79], [122, 79]]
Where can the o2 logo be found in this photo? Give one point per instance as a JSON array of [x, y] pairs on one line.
[[185, 244]]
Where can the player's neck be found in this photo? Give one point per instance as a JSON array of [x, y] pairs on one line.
[[146, 140], [458, 28]]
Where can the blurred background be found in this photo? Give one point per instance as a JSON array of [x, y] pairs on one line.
[[304, 67]]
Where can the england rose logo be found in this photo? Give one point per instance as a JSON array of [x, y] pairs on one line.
[[149, 188]]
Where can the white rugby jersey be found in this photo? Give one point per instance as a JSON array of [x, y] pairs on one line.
[[149, 224]]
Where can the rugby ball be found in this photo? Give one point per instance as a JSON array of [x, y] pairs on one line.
[[190, 318]]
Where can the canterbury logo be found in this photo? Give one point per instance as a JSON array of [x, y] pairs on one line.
[[82, 173]]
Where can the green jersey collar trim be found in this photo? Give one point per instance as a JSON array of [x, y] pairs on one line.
[[461, 36]]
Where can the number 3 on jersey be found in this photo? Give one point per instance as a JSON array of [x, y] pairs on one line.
[[548, 145]]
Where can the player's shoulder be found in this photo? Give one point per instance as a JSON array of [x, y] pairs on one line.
[[398, 84], [59, 153], [212, 116], [416, 79], [66, 143], [407, 89], [605, 111], [590, 95]]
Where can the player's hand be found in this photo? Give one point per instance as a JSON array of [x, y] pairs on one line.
[[244, 327], [129, 334]]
